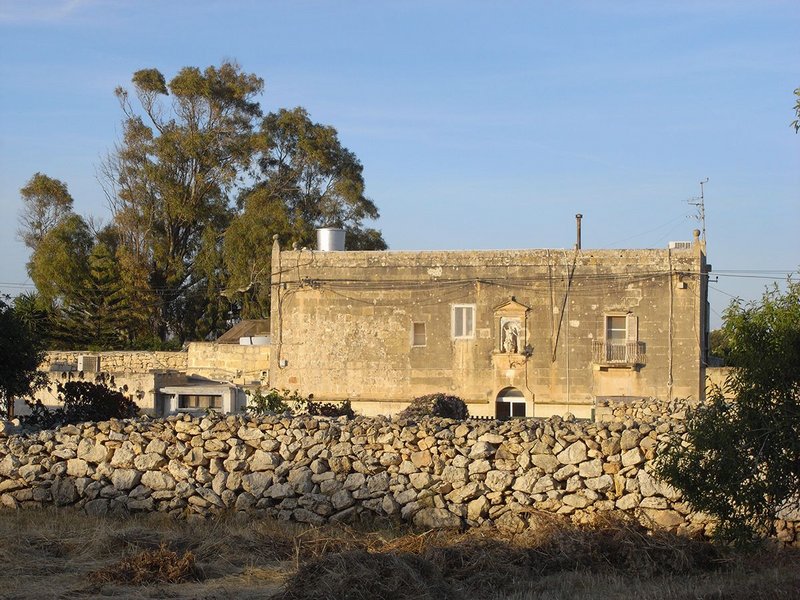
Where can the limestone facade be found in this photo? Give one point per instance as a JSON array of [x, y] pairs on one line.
[[156, 380], [512, 332]]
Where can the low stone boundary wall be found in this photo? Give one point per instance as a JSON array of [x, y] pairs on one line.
[[121, 361], [437, 473]]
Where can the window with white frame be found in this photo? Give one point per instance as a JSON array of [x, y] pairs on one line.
[[510, 404], [418, 336], [463, 321]]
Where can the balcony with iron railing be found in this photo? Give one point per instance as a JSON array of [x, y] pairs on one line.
[[623, 354]]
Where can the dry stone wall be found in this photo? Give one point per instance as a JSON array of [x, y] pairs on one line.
[[436, 473]]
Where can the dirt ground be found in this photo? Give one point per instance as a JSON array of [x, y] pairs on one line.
[[63, 554]]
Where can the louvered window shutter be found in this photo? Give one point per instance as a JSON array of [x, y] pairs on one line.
[[631, 328]]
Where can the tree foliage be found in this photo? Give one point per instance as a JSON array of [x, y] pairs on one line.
[[20, 356], [45, 203], [741, 462], [169, 178], [198, 185], [59, 264], [81, 401]]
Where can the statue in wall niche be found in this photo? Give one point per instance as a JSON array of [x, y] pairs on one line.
[[509, 335]]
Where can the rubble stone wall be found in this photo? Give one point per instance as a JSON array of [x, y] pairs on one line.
[[120, 361], [436, 473]]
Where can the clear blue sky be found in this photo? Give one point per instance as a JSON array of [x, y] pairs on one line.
[[479, 124]]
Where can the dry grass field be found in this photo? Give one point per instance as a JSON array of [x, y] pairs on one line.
[[63, 554]]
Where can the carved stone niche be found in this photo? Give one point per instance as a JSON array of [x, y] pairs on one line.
[[511, 327]]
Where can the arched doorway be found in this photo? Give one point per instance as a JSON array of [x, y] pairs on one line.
[[510, 403]]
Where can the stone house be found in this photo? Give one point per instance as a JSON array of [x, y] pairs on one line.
[[205, 375], [512, 332]]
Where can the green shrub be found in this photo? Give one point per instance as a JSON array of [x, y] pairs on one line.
[[436, 405], [325, 409], [81, 401], [273, 402]]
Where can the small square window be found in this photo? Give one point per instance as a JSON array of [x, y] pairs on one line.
[[418, 337], [463, 321]]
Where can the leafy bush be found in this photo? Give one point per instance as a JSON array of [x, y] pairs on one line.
[[325, 409], [273, 402], [741, 459], [281, 401], [436, 405], [81, 401]]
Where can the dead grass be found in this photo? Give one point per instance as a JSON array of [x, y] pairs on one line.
[[149, 566], [62, 554]]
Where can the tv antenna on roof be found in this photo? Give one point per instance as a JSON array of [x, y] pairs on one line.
[[701, 209]]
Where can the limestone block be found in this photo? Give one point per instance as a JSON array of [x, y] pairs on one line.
[[547, 462], [339, 464], [465, 493], [565, 472], [482, 449], [600, 484], [378, 483], [632, 457], [421, 459], [94, 453], [64, 492], [479, 466], [628, 502], [264, 461], [629, 440], [77, 467], [388, 459], [451, 474], [576, 500], [355, 481], [158, 481], [654, 502], [478, 508], [610, 446], [203, 475], [492, 438], [195, 457], [149, 461], [574, 453], [219, 481], [300, 480], [667, 519], [406, 496], [591, 468], [419, 481], [436, 518], [125, 479], [210, 496]]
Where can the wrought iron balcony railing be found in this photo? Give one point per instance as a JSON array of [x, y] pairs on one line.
[[618, 353]]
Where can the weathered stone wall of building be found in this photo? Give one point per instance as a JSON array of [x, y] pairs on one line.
[[435, 473], [228, 362], [120, 361], [716, 377], [343, 325]]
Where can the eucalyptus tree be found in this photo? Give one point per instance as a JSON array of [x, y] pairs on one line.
[[306, 179], [185, 146], [45, 203]]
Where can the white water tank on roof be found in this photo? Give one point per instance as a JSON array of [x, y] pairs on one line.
[[330, 239]]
